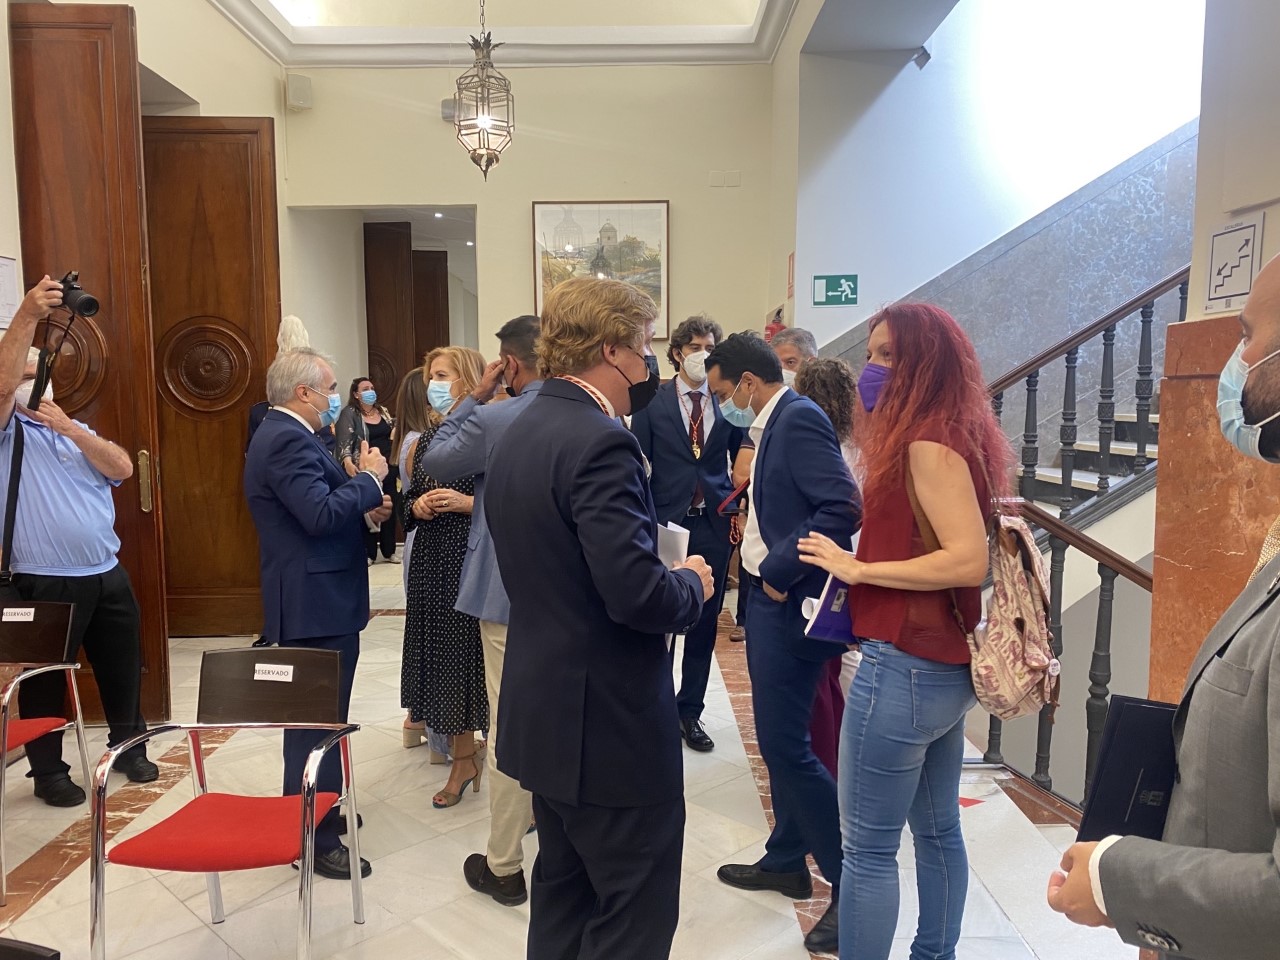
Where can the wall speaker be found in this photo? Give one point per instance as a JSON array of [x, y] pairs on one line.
[[297, 91]]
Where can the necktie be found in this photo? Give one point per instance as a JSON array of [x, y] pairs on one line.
[[1270, 548], [695, 440]]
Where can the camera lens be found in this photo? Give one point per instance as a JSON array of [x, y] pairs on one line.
[[77, 301]]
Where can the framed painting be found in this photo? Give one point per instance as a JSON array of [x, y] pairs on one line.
[[617, 239]]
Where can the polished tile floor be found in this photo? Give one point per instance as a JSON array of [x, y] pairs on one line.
[[417, 904]]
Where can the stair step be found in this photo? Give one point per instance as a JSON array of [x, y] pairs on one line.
[[1120, 448], [1131, 417], [1080, 479]]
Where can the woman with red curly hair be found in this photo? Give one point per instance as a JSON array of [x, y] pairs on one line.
[[928, 424]]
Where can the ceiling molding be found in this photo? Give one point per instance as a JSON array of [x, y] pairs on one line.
[[300, 47]]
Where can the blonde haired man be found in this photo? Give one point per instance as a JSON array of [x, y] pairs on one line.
[[589, 723]]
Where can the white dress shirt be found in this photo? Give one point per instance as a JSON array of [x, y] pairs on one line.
[[753, 549], [685, 403]]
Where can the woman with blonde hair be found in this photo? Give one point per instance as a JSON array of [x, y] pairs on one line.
[[442, 677]]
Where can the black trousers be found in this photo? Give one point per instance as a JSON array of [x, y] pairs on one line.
[[711, 542], [106, 624], [385, 538], [299, 743], [606, 883]]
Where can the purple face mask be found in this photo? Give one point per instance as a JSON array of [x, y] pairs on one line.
[[871, 382]]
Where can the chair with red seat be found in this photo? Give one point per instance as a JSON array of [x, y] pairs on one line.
[[33, 639], [245, 689]]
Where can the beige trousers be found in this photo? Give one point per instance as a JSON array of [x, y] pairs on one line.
[[510, 806]]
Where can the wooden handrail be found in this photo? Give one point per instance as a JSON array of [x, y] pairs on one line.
[[1082, 542], [1085, 334]]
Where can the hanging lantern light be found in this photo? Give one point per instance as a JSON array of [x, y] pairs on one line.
[[484, 111]]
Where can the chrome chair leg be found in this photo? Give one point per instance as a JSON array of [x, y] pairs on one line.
[[78, 721], [214, 883], [307, 867], [353, 832], [4, 762], [97, 873]]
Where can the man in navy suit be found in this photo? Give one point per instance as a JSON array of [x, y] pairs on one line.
[[799, 482], [588, 714], [315, 582], [690, 448], [462, 448]]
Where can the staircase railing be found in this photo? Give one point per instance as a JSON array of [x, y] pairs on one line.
[[1068, 352], [1064, 537]]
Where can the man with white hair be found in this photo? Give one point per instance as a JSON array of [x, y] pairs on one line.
[[64, 551], [795, 347], [315, 582]]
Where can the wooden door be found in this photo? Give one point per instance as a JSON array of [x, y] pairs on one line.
[[388, 300], [430, 301], [80, 203], [215, 307]]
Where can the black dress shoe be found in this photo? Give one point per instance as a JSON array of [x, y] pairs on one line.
[[342, 824], [747, 876], [825, 935], [696, 737], [508, 891], [137, 768], [336, 864], [58, 791]]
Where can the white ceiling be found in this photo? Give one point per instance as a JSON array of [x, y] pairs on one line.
[[302, 33], [855, 26], [450, 232]]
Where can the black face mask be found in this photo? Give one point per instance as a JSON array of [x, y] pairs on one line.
[[510, 390], [641, 394], [651, 364]]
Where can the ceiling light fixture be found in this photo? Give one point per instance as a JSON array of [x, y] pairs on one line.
[[484, 111], [439, 216], [471, 243]]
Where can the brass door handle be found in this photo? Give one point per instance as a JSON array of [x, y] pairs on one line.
[[144, 480]]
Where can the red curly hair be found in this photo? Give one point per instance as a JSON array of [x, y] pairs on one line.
[[937, 388]]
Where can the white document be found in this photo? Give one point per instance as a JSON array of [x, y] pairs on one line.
[[673, 544], [10, 291]]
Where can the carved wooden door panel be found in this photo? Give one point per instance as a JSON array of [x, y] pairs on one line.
[[80, 203], [215, 303]]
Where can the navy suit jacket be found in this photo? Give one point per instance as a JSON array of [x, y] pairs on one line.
[[802, 483], [310, 520], [664, 439], [587, 712]]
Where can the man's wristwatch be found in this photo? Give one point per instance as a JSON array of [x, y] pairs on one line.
[[374, 475]]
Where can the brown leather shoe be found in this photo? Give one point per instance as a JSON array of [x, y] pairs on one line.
[[738, 634], [508, 891]]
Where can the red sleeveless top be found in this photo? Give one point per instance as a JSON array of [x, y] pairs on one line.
[[918, 622]]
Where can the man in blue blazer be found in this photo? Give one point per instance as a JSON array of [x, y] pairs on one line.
[[588, 715], [462, 447], [799, 482], [690, 449], [315, 581]]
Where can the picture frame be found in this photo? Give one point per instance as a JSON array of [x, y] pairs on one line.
[[626, 240]]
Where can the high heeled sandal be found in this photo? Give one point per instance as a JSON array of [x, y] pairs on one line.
[[453, 799], [416, 736]]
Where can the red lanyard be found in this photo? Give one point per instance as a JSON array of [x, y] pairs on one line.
[[595, 394]]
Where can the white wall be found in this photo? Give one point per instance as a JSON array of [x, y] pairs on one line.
[[375, 138], [328, 253], [10, 243], [904, 172], [1239, 160]]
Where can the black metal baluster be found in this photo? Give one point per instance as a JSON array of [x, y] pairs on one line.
[[1106, 408], [1044, 733], [1067, 431], [1143, 388], [1030, 440], [1182, 301], [997, 405], [995, 732], [1095, 709]]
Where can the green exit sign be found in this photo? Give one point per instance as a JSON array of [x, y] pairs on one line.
[[835, 290]]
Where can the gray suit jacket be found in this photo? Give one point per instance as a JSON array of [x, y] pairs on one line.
[[462, 447], [1211, 890]]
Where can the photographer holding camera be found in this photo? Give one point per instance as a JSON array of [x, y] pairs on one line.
[[64, 546]]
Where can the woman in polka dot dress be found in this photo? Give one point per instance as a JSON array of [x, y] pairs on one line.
[[442, 678]]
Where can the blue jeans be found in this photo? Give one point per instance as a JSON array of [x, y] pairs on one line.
[[901, 750]]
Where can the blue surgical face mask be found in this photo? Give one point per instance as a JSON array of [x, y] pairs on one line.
[[369, 397], [735, 415], [1243, 436], [329, 416], [440, 396]]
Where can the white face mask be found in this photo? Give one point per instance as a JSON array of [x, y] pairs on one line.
[[788, 377], [695, 366], [23, 392]]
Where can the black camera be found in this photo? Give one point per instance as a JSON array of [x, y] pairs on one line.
[[74, 297]]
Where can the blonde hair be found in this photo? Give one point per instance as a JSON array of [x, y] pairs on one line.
[[469, 363], [583, 315]]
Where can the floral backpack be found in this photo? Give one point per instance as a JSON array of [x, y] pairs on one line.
[[1011, 654]]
